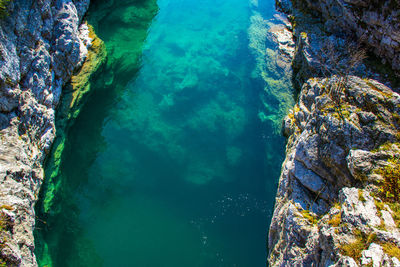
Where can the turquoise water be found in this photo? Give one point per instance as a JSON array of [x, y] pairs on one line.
[[175, 158]]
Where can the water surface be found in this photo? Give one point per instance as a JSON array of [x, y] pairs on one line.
[[169, 163]]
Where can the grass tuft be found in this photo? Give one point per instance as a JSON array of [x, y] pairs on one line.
[[5, 226], [3, 7], [355, 248], [395, 207], [391, 249], [361, 195], [390, 186], [7, 207], [337, 205], [309, 216], [336, 220]]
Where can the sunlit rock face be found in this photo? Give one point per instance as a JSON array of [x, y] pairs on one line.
[[333, 206], [329, 184], [42, 43]]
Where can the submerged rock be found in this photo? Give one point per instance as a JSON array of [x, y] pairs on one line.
[[272, 65]]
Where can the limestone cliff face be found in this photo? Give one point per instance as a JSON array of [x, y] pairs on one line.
[[328, 188], [42, 43], [334, 205]]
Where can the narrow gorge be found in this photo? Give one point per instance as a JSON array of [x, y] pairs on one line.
[[153, 133], [182, 115]]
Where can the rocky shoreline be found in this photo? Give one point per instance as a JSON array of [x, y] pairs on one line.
[[336, 203], [43, 44]]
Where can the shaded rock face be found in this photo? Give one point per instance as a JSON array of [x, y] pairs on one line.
[[41, 44], [321, 53], [376, 23]]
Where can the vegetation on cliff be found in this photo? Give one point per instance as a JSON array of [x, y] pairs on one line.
[[3, 7], [339, 187], [6, 229], [390, 186]]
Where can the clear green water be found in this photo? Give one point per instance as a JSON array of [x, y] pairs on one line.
[[169, 163]]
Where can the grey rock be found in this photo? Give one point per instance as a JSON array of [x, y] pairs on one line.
[[356, 211], [331, 158], [376, 25], [41, 44], [346, 262], [338, 139], [374, 255]]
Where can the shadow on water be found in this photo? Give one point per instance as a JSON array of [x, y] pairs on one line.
[[59, 232]]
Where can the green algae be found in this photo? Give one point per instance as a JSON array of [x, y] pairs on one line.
[[277, 96], [73, 98], [52, 184], [80, 84]]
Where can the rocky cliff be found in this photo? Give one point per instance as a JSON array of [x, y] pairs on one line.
[[337, 201], [42, 44], [374, 23]]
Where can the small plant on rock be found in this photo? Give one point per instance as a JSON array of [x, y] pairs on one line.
[[340, 65], [336, 220], [3, 7], [390, 186], [354, 249], [361, 195], [361, 242], [391, 249], [309, 216], [5, 225]]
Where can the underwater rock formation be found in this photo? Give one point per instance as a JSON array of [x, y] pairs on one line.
[[42, 44], [337, 201], [270, 41]]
